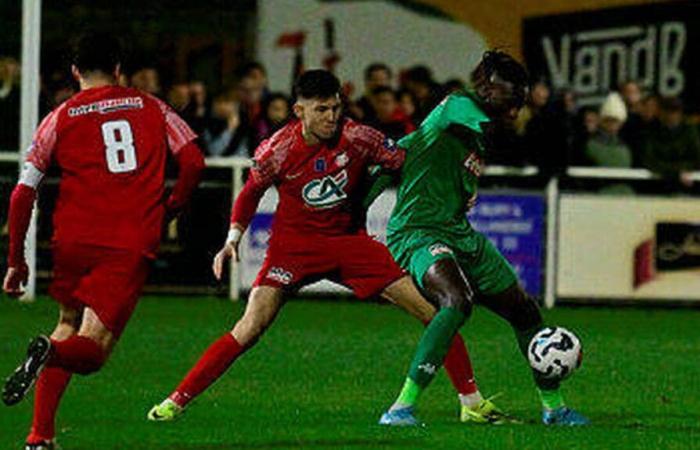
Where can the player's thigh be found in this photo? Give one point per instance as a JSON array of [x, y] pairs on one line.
[[514, 305], [112, 289], [406, 295], [485, 266], [365, 265], [445, 284], [92, 327], [264, 302]]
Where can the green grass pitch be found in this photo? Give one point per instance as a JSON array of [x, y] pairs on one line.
[[324, 372]]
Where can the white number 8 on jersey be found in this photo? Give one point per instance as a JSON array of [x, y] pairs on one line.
[[119, 146]]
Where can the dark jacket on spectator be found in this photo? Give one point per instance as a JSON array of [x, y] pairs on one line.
[[668, 152]]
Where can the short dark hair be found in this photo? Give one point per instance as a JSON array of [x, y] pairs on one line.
[[419, 74], [383, 90], [97, 51], [376, 67], [317, 83], [505, 67]]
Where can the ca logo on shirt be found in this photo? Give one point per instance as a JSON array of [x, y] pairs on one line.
[[326, 192]]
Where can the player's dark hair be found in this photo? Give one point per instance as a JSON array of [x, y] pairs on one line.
[[376, 67], [97, 51], [497, 63], [317, 83]]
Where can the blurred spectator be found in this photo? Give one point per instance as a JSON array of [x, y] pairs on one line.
[[634, 128], [453, 85], [148, 80], [376, 75], [587, 126], [9, 104], [252, 89], [639, 125], [672, 149], [605, 148], [197, 112], [226, 133], [389, 118], [549, 135], [179, 97], [632, 96], [276, 111], [539, 96], [428, 93], [407, 102]]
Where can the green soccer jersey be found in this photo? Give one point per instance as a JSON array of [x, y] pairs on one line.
[[441, 170]]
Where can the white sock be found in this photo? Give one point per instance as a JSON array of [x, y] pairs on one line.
[[471, 400]]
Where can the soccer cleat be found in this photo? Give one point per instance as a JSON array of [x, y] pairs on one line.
[[563, 416], [168, 410], [485, 412], [18, 384], [402, 417], [43, 445]]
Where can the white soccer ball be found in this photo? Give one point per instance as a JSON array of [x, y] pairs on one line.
[[555, 352]]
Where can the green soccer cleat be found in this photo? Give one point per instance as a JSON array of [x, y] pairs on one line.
[[167, 411], [485, 412]]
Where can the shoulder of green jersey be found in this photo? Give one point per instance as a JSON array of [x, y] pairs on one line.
[[461, 109]]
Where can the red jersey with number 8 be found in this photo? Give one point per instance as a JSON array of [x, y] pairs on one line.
[[110, 144]]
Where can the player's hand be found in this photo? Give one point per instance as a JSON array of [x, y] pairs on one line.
[[472, 201], [228, 251], [15, 278], [686, 179]]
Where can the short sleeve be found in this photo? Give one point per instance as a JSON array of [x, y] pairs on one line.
[[40, 153]]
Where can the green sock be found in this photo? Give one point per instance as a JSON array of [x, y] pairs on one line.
[[551, 399], [409, 394], [431, 352]]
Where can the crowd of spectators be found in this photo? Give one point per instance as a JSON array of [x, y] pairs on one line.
[[631, 128]]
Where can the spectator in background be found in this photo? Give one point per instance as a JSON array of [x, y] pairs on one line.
[[9, 104], [407, 102], [605, 148], [587, 126], [537, 100], [179, 97], [147, 80], [672, 149], [252, 90], [428, 93], [276, 112], [634, 128], [453, 85], [226, 133], [197, 112], [376, 75], [389, 118]]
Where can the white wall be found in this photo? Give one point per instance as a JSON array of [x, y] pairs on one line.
[[366, 32]]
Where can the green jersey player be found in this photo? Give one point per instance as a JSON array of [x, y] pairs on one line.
[[430, 236]]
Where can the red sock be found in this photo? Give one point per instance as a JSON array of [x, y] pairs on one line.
[[77, 354], [459, 367], [50, 386], [213, 363]]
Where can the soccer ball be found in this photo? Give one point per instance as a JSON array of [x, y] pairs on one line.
[[555, 353]]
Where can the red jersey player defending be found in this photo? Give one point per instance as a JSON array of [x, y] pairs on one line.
[[317, 165], [110, 144]]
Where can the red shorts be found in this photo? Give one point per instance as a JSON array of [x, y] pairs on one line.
[[356, 261], [107, 280]]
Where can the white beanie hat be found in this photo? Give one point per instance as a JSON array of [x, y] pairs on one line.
[[614, 107]]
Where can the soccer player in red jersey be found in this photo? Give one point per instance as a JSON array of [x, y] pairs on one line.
[[317, 164], [110, 144]]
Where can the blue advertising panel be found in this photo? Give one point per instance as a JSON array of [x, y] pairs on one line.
[[515, 224]]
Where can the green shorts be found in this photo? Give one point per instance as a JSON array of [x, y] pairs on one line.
[[483, 264]]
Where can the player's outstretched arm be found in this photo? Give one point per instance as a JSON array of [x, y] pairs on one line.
[[19, 217]]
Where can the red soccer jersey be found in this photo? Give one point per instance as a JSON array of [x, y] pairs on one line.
[[319, 185], [110, 144]]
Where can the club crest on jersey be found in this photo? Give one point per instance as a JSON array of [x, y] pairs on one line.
[[326, 192], [342, 159], [280, 275], [390, 144], [474, 164]]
